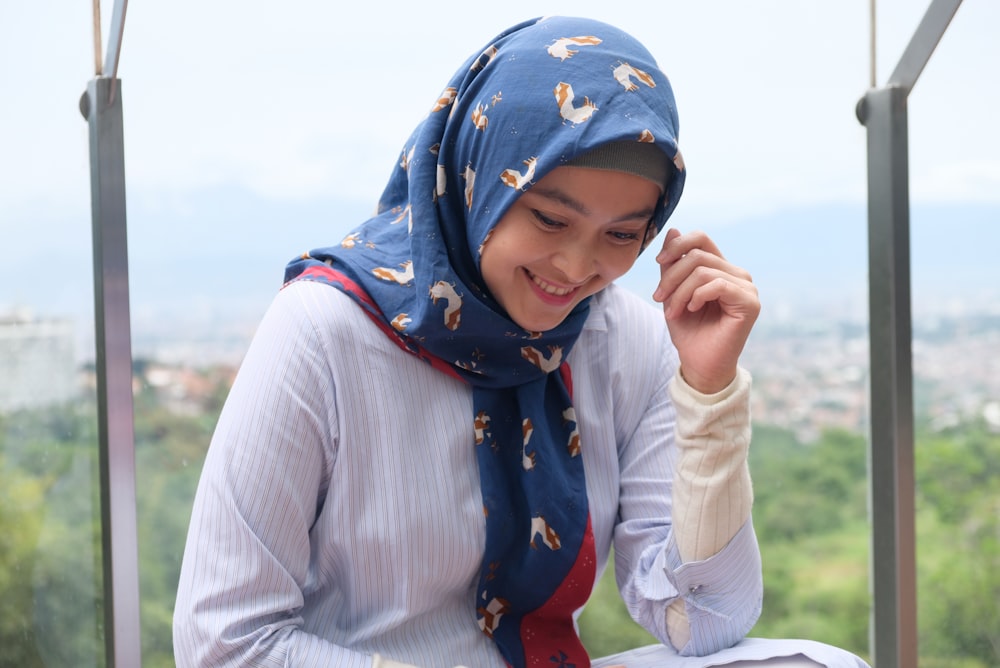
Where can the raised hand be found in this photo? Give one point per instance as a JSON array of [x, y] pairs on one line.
[[710, 306]]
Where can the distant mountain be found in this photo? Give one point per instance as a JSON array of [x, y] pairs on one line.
[[211, 262], [230, 244], [814, 261], [199, 260]]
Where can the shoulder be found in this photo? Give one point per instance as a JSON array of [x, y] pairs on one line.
[[312, 299], [322, 310], [312, 322]]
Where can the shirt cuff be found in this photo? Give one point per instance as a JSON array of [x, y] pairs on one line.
[[722, 594]]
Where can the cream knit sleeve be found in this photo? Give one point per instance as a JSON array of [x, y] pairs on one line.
[[712, 492]]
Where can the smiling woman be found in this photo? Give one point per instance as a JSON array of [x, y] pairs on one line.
[[446, 421]]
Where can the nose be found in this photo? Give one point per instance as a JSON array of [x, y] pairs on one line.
[[576, 261]]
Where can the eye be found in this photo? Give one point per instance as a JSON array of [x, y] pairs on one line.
[[626, 237], [629, 237], [547, 222]]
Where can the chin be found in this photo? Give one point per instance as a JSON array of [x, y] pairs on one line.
[[540, 324]]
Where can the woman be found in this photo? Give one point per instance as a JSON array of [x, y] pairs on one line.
[[445, 422]]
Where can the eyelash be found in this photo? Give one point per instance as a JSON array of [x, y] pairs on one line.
[[546, 222]]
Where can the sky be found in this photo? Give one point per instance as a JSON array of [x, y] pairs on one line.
[[303, 104]]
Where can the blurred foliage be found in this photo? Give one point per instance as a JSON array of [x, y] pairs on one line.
[[50, 568], [809, 513]]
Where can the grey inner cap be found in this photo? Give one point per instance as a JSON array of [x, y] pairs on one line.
[[632, 157]]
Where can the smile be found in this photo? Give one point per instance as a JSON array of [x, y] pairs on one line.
[[548, 288]]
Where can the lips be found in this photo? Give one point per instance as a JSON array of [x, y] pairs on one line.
[[549, 288], [554, 295]]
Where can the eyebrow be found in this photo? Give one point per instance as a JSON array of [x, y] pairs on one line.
[[560, 196]]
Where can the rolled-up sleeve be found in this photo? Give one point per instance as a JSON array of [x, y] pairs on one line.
[[716, 597]]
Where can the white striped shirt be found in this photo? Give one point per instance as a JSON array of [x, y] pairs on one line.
[[339, 512]]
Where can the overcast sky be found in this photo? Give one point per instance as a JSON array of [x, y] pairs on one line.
[[306, 99], [301, 97]]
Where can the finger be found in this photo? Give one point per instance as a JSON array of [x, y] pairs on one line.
[[705, 284], [677, 245], [700, 257], [733, 297], [693, 264], [671, 234], [668, 239]]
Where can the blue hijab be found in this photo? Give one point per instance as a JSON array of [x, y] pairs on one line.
[[537, 96]]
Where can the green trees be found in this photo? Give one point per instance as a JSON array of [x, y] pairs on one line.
[[810, 514], [50, 569], [958, 531], [20, 521], [810, 519], [170, 448]]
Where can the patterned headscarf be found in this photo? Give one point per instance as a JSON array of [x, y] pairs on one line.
[[538, 96]]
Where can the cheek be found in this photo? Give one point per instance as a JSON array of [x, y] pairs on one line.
[[492, 256], [506, 247], [496, 265], [618, 261]]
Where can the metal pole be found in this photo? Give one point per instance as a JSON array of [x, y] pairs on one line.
[[119, 536], [97, 37], [925, 39], [114, 374], [114, 53], [893, 569], [872, 44]]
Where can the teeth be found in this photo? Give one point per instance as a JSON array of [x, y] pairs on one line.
[[549, 288]]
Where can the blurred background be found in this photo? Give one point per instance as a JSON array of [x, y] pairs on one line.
[[255, 131]]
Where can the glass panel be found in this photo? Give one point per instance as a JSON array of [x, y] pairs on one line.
[[957, 467], [809, 463], [175, 412], [50, 553]]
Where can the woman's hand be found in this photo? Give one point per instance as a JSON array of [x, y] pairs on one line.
[[710, 306]]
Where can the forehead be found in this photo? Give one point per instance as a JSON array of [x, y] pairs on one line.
[[596, 192]]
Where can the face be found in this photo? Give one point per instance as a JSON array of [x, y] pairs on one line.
[[572, 233]]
